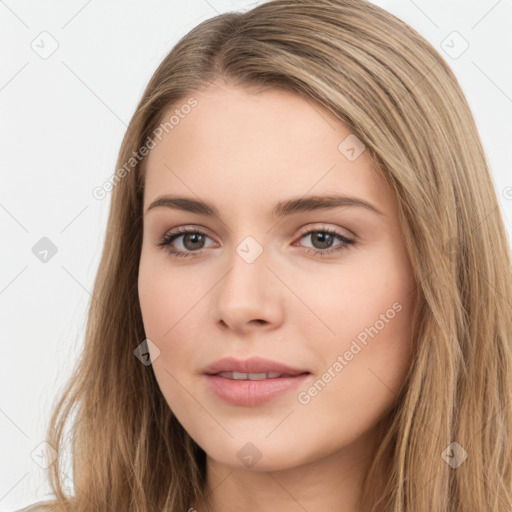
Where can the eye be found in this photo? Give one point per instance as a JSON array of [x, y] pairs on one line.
[[194, 239], [323, 238]]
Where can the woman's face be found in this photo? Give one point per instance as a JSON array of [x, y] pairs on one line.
[[276, 267]]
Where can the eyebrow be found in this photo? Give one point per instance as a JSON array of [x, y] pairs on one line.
[[281, 209]]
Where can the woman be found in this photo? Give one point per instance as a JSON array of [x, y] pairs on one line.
[[339, 339]]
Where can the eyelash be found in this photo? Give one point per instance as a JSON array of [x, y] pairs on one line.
[[167, 239]]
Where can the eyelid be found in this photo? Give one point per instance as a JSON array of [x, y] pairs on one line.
[[304, 230], [323, 226], [187, 228], [168, 238]]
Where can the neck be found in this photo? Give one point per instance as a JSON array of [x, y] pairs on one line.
[[333, 482]]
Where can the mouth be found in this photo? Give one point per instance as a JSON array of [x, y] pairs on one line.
[[252, 381], [251, 367], [254, 376]]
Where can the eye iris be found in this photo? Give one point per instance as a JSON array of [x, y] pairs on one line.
[[197, 237], [325, 239]]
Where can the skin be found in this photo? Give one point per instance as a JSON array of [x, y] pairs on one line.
[[243, 151]]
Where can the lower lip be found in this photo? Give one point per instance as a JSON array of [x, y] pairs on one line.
[[252, 392]]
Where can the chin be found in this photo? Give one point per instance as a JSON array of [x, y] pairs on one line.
[[259, 455]]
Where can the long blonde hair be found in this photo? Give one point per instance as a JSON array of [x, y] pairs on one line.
[[394, 91]]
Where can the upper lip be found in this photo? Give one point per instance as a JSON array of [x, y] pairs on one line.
[[250, 365]]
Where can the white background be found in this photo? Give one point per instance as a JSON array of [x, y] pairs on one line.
[[62, 121]]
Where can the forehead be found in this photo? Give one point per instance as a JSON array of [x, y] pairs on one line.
[[257, 146]]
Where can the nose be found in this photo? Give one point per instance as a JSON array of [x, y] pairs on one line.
[[249, 296]]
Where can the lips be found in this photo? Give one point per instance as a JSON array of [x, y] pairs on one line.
[[250, 376], [254, 365], [252, 381]]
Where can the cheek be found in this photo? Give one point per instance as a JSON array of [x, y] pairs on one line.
[[165, 294], [175, 308], [365, 314], [169, 304], [343, 301]]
